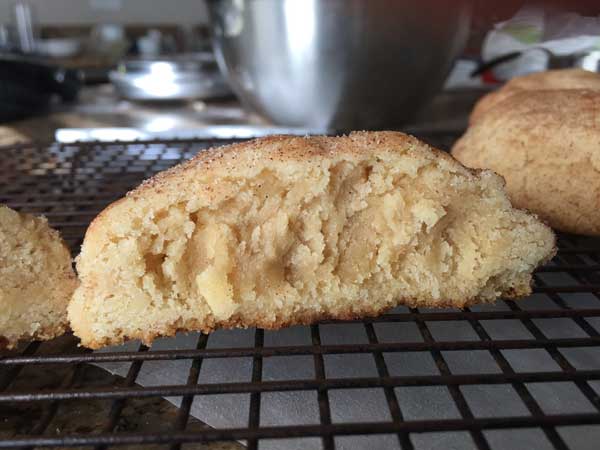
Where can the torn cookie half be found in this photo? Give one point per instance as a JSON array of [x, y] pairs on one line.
[[291, 230]]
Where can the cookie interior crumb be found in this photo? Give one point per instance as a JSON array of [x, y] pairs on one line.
[[36, 279], [290, 230]]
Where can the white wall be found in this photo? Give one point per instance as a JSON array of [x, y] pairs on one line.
[[185, 12]]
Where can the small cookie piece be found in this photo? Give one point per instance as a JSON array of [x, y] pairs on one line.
[[548, 80], [36, 279], [291, 230], [546, 145]]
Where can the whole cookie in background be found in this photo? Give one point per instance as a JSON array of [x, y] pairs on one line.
[[549, 80], [546, 145], [36, 279]]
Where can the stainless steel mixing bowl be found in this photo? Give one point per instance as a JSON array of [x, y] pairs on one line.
[[337, 64]]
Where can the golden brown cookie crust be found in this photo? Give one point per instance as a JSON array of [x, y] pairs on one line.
[[546, 145], [548, 80]]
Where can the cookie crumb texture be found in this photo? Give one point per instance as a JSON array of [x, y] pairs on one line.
[[36, 279], [288, 230]]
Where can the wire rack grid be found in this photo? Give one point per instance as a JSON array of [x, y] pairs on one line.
[[549, 367]]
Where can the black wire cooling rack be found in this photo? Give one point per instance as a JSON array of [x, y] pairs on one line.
[[510, 375]]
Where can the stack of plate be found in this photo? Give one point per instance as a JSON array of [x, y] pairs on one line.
[[181, 77]]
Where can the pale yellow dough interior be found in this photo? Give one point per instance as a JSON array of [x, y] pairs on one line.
[[337, 238]]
